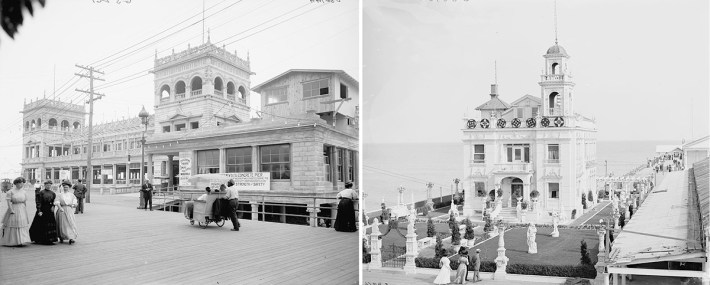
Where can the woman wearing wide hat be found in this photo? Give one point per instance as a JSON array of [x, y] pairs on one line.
[[44, 225], [66, 222]]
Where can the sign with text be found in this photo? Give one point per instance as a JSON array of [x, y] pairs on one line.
[[185, 170], [64, 175], [251, 180]]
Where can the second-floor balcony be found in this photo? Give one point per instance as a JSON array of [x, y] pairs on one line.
[[554, 112], [196, 92], [513, 167], [180, 96]]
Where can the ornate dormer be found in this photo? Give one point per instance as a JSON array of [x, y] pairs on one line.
[[556, 83]]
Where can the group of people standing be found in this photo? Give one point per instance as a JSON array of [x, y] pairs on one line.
[[54, 220], [464, 260]]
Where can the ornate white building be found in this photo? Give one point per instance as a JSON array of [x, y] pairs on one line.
[[533, 143]]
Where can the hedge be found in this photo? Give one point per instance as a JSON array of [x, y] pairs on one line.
[[583, 271]]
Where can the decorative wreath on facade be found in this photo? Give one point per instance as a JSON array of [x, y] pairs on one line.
[[515, 122], [501, 123], [531, 122], [471, 124], [559, 122], [484, 123], [545, 122]]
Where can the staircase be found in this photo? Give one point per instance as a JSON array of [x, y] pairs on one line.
[[508, 215]]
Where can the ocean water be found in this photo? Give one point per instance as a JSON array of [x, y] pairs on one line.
[[389, 166]]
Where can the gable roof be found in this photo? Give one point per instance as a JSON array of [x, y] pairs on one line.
[[526, 96], [494, 104], [701, 143], [667, 148], [344, 75]]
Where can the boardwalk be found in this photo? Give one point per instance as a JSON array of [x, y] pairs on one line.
[[119, 244]]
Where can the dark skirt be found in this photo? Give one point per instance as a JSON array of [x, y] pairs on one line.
[[345, 219], [44, 228]]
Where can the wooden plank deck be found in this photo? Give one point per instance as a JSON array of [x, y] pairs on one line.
[[119, 244]]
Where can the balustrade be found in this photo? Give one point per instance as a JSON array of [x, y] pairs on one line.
[[180, 96], [196, 92]]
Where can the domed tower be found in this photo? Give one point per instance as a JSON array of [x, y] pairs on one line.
[[556, 83]]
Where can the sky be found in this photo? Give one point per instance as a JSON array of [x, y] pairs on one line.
[[640, 66], [120, 38]]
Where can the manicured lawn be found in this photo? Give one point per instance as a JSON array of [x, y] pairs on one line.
[[563, 250]]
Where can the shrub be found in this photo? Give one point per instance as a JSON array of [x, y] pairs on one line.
[[534, 194], [488, 227], [430, 230], [455, 235], [469, 230], [590, 197], [584, 201], [574, 213], [438, 249], [583, 271], [584, 260], [366, 257]]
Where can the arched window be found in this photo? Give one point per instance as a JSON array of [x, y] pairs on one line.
[[242, 92], [230, 88], [76, 125], [196, 86], [52, 123], [27, 126], [180, 89], [218, 86], [555, 103], [65, 125], [33, 125], [555, 68], [39, 123], [164, 92]]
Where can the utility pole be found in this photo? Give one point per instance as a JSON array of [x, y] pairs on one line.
[[89, 143]]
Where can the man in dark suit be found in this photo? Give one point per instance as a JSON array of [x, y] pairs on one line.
[[79, 193], [147, 190], [475, 261]]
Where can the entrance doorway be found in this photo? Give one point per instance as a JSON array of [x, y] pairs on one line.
[[516, 190]]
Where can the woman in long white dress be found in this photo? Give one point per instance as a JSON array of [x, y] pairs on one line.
[[16, 222], [66, 223], [444, 276]]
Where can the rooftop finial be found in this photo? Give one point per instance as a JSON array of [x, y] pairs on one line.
[[248, 55], [208, 35], [555, 22], [495, 71]]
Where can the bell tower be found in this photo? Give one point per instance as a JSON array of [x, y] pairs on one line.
[[556, 84], [201, 87]]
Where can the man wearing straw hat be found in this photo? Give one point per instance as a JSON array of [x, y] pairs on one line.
[[233, 197]]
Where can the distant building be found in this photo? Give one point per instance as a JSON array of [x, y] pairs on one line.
[[674, 150], [305, 137], [695, 151], [533, 143]]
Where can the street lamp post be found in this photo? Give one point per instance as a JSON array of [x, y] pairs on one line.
[[144, 120]]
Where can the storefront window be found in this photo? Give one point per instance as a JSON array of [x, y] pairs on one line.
[[276, 159], [239, 159], [208, 161]]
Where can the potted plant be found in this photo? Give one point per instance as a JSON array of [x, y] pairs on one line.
[[584, 201], [574, 213], [455, 235]]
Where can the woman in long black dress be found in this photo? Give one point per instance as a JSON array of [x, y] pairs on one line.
[[44, 225], [345, 219]]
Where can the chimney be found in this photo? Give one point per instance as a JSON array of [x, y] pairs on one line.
[[494, 90]]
